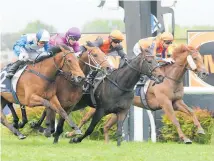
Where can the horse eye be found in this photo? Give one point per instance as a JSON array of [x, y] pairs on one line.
[[194, 58], [95, 55]]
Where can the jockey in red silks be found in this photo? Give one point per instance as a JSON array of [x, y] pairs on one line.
[[158, 45]]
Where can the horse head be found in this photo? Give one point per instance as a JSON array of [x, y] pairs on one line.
[[150, 66], [191, 58], [67, 64], [94, 57]]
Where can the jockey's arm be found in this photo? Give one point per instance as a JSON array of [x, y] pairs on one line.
[[98, 42], [120, 51], [47, 47], [20, 44]]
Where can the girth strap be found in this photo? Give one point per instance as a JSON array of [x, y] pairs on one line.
[[40, 75]]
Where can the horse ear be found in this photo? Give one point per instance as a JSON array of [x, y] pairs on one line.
[[83, 48], [62, 48]]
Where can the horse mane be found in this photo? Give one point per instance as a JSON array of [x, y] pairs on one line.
[[56, 49], [182, 49]]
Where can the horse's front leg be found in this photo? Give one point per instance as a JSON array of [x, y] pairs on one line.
[[96, 118], [167, 107], [84, 120], [54, 104], [50, 123], [24, 117], [179, 105], [59, 130], [107, 126], [120, 119]]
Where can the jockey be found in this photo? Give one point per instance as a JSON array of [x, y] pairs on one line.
[[70, 39], [28, 48], [159, 46], [112, 43]]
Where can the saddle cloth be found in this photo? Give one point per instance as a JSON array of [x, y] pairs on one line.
[[9, 85]]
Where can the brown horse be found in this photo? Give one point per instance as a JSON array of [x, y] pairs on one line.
[[167, 95], [36, 85], [92, 58]]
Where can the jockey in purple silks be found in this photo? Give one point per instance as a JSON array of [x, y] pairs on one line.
[[70, 38]]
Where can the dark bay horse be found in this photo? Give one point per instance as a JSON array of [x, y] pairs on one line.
[[168, 95], [36, 85], [92, 58], [116, 92]]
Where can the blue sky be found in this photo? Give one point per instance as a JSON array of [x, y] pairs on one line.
[[63, 14]]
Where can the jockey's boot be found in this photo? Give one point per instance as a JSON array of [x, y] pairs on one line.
[[13, 68]]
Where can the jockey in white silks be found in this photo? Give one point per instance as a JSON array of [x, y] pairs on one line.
[[30, 47]]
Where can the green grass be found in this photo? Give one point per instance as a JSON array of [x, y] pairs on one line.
[[39, 148]]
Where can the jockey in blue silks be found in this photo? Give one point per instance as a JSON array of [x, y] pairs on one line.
[[30, 47]]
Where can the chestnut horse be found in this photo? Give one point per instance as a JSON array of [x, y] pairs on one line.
[[92, 58], [167, 95], [37, 87]]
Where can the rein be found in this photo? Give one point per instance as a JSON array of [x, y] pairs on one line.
[[133, 68], [58, 70]]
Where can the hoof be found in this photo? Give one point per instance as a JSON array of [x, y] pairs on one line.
[[55, 141], [201, 131], [67, 135], [78, 132], [187, 141], [41, 129], [21, 124], [74, 140], [15, 125], [47, 133], [33, 125], [21, 136]]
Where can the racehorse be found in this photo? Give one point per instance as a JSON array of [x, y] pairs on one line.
[[168, 95], [36, 85], [115, 92], [91, 58]]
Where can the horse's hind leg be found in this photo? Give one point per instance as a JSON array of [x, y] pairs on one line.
[[15, 117], [6, 123], [179, 105], [109, 123]]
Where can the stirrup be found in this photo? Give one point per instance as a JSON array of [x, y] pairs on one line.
[[9, 75]]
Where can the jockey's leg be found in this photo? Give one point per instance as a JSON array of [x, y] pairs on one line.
[[13, 68]]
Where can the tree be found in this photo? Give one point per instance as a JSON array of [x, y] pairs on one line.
[[8, 39], [103, 26], [34, 26]]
